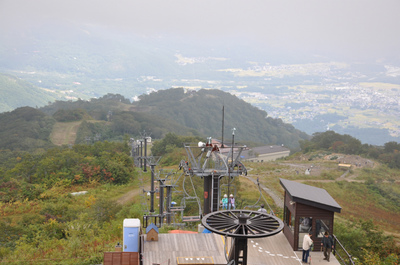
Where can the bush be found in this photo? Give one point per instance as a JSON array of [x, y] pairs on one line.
[[104, 210], [69, 115], [357, 237]]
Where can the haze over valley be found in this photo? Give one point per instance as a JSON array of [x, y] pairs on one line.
[[318, 76]]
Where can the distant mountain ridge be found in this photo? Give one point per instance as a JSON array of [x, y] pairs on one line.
[[166, 111]]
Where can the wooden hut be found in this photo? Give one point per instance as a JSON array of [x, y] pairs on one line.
[[307, 208], [152, 232]]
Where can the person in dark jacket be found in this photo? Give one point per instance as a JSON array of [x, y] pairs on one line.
[[327, 244]]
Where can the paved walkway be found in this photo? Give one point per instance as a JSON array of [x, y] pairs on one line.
[[317, 258]]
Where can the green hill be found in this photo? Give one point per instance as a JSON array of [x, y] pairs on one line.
[[174, 111], [25, 129], [202, 111], [17, 93]]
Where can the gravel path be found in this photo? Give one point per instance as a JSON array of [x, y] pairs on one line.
[[278, 201]]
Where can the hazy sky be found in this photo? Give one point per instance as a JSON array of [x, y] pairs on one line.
[[365, 27]]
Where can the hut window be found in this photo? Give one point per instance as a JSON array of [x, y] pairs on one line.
[[305, 224], [289, 219], [322, 225]]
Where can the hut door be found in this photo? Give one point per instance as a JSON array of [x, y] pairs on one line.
[[305, 226]]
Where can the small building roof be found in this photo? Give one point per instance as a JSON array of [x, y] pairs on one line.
[[310, 195], [262, 150], [151, 226]]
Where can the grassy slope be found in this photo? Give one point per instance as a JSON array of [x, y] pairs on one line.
[[359, 199], [64, 132], [351, 190]]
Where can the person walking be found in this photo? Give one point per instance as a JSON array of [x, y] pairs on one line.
[[231, 202], [307, 243], [327, 245]]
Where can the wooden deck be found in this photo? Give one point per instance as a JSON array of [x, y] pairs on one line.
[[173, 246], [174, 249]]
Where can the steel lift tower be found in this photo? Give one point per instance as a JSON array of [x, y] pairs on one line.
[[212, 162]]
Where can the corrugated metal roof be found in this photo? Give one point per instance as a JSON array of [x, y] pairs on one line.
[[310, 195]]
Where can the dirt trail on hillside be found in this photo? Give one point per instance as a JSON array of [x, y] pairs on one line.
[[277, 200], [130, 195], [315, 169], [64, 132]]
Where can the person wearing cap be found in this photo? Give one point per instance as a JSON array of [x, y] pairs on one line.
[[307, 243], [262, 209], [225, 202], [231, 202], [327, 244]]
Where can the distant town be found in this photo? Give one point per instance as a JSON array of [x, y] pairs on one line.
[[316, 97]]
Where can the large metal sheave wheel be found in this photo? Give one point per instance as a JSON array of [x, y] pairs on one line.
[[242, 223]]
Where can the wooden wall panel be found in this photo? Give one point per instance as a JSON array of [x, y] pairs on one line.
[[303, 210], [121, 258]]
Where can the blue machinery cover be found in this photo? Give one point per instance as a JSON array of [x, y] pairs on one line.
[[131, 235]]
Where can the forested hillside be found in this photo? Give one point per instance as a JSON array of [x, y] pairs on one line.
[[29, 129], [119, 119], [173, 110], [389, 154], [16, 92], [25, 129], [202, 111]]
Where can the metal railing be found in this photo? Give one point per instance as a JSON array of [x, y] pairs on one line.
[[341, 253]]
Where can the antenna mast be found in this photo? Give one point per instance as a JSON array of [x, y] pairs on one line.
[[223, 119]]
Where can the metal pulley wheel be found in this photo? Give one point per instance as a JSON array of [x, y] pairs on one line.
[[242, 223]]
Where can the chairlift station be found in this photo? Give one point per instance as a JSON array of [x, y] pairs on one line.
[[235, 236], [212, 162]]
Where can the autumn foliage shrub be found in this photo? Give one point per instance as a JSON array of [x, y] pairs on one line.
[[367, 243], [58, 168]]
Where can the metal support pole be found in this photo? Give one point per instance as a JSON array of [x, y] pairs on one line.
[[230, 169], [145, 154], [169, 198], [141, 153], [207, 193], [233, 142], [223, 118], [161, 201], [238, 251], [152, 189]]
